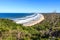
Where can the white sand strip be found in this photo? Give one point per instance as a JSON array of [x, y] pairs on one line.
[[33, 22]]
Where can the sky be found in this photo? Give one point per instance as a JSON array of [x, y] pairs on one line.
[[28, 6]]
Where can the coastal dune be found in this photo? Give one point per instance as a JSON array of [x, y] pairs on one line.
[[30, 20]]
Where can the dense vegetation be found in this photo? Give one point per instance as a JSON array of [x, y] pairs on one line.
[[49, 29]]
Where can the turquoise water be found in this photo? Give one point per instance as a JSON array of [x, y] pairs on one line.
[[14, 15]]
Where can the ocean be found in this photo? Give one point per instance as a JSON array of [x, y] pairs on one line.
[[15, 15]]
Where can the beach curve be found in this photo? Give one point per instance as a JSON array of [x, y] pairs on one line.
[[30, 21]]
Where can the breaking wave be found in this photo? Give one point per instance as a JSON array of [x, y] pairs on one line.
[[26, 19]]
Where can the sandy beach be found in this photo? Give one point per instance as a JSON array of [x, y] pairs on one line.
[[33, 22]]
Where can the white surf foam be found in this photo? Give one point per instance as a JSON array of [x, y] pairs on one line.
[[27, 19]]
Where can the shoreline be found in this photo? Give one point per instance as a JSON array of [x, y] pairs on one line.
[[34, 21], [31, 21]]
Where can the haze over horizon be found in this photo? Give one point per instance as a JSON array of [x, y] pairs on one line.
[[29, 6]]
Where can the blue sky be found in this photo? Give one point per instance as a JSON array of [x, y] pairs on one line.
[[28, 6]]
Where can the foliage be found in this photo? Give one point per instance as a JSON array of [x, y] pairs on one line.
[[49, 29]]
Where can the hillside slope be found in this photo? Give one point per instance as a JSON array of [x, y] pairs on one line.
[[47, 29]]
